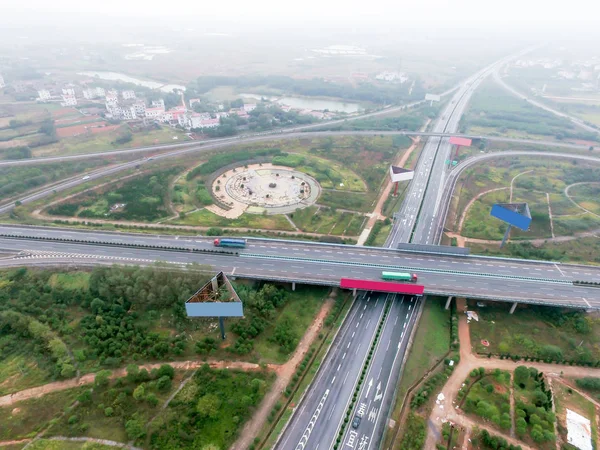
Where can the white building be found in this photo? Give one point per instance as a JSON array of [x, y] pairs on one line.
[[89, 94], [209, 123], [93, 93], [158, 104], [68, 92], [112, 99], [69, 100], [44, 95], [2, 83], [140, 109], [128, 95], [154, 113], [129, 113], [220, 114], [250, 107], [392, 76]]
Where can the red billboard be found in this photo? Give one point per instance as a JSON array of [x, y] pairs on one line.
[[463, 142], [381, 286]]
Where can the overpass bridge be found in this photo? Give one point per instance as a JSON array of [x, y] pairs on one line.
[[499, 279]]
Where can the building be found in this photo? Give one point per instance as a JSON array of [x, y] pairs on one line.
[[128, 95], [140, 109], [250, 107], [2, 83], [220, 114], [158, 104], [112, 99], [44, 95], [93, 93], [154, 113], [68, 92], [392, 76], [128, 113], [209, 123], [89, 94], [193, 101], [69, 100]]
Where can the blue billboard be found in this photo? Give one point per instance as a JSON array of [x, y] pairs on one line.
[[512, 217]]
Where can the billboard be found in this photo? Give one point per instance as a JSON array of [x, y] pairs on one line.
[[399, 174], [463, 142], [432, 97], [217, 298], [382, 286], [509, 213]]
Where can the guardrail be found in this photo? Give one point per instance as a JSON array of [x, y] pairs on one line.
[[120, 244]]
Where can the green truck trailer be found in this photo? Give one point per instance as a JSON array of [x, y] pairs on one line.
[[399, 276]]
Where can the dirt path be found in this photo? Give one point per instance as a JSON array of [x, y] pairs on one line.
[[577, 204], [40, 391], [468, 361], [97, 441], [20, 441], [284, 375]]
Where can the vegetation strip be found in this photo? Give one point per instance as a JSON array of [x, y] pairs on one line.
[[361, 380], [308, 361]]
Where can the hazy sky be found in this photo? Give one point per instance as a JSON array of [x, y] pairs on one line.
[[446, 13]]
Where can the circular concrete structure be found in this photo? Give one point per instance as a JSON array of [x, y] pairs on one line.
[[274, 189]]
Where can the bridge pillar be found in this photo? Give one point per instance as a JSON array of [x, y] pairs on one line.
[[448, 302], [354, 292], [215, 284], [513, 307], [293, 285]]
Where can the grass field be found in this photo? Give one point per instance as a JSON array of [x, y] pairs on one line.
[[534, 182], [536, 332], [565, 398], [299, 312], [205, 218], [27, 418], [324, 220], [105, 142], [52, 444]]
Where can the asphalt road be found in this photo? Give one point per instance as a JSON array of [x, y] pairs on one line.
[[476, 277], [417, 215], [377, 392], [454, 175], [315, 423], [580, 123]]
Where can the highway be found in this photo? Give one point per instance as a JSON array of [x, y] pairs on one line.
[[376, 394], [305, 262], [317, 420], [229, 142]]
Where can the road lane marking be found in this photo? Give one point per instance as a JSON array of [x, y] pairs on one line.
[[586, 302], [332, 380], [344, 355], [338, 369], [311, 424]]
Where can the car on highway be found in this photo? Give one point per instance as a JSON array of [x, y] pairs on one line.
[[87, 177], [356, 422]]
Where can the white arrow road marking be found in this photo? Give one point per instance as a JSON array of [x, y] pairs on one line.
[[369, 387]]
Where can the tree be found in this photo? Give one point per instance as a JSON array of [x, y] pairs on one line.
[[166, 370], [135, 428], [591, 149], [102, 378], [163, 383], [108, 411], [67, 371], [152, 399], [139, 392], [208, 406]]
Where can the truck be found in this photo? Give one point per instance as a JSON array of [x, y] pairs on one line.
[[230, 242], [399, 276]]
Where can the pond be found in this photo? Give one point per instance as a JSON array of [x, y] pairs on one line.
[[115, 76]]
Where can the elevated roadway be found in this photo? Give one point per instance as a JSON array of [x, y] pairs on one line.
[[471, 276]]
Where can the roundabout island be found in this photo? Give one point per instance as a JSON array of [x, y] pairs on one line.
[[264, 189]]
